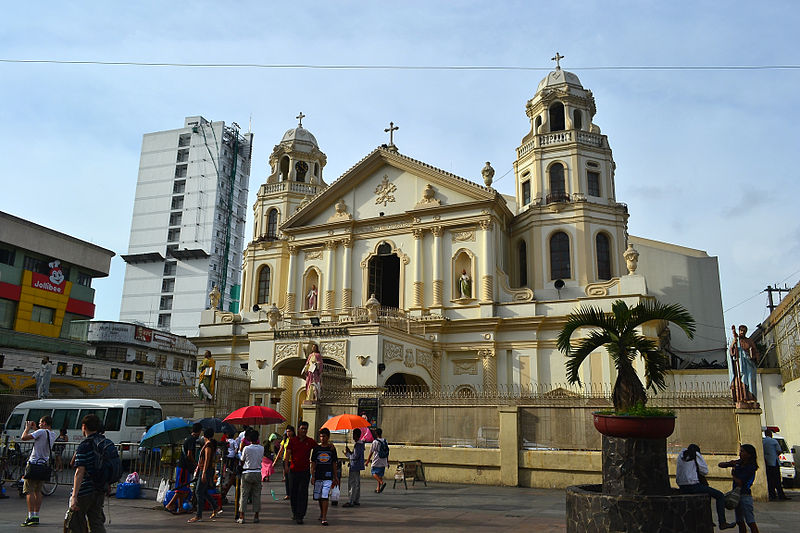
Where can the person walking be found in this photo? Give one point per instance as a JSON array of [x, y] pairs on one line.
[[380, 461], [43, 439], [744, 473], [205, 475], [281, 455], [252, 454], [298, 453], [690, 473], [356, 456], [772, 454], [86, 501], [324, 475]]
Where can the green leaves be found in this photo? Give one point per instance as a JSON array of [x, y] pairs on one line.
[[618, 333]]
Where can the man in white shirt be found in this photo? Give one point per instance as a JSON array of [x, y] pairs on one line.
[[43, 439], [689, 468], [252, 454]]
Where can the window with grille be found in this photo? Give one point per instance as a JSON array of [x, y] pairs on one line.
[[559, 256], [593, 183], [43, 315], [526, 192], [263, 285], [603, 256], [272, 224]]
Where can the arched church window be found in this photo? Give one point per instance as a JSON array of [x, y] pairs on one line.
[[559, 256], [523, 263], [385, 249], [272, 224], [603, 256], [577, 119], [263, 285], [284, 168], [557, 122], [558, 189]]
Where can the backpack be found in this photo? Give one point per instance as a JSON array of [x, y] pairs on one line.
[[107, 465], [383, 449]]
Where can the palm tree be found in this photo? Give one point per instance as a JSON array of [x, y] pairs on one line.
[[617, 331]]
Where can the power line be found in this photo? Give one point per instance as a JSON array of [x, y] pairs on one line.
[[397, 67]]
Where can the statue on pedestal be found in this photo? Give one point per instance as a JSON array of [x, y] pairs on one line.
[[42, 377], [742, 366], [205, 387], [214, 297], [312, 371], [311, 298], [465, 284]]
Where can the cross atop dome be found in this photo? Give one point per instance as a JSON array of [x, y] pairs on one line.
[[557, 58], [300, 117]]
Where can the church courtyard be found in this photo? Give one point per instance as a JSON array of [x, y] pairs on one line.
[[437, 507]]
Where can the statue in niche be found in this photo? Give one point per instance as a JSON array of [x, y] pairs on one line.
[[312, 371], [311, 298], [465, 284]]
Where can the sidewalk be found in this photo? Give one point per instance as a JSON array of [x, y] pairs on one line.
[[436, 508]]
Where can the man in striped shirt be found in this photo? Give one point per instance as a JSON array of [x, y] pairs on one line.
[[86, 503]]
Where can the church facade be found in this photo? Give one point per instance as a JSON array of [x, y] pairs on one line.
[[407, 275]]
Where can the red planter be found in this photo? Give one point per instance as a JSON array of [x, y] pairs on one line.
[[637, 427]]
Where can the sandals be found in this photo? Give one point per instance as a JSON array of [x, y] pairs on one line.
[[216, 513], [324, 522], [382, 487], [194, 519]]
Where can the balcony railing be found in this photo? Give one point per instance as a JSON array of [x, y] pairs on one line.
[[562, 137], [555, 197]]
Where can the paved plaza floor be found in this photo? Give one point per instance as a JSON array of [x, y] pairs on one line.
[[437, 507]]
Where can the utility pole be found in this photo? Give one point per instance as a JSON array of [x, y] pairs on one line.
[[770, 289]]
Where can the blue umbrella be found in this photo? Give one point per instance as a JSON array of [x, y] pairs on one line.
[[217, 424], [170, 431]]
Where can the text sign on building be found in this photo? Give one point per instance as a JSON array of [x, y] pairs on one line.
[[53, 283]]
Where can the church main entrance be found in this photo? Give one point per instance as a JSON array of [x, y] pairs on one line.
[[384, 276]]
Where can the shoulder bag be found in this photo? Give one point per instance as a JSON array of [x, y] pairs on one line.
[[40, 471], [732, 498]]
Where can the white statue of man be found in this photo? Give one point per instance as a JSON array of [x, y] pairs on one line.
[[42, 376]]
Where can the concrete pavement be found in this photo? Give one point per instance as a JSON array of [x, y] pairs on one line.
[[436, 508]]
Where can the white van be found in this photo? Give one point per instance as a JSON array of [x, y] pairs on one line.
[[124, 420]]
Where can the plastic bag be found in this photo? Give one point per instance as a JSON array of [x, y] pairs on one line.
[[163, 487], [732, 498], [132, 478], [335, 493]]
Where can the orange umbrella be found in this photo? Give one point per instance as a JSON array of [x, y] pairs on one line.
[[346, 422], [253, 415]]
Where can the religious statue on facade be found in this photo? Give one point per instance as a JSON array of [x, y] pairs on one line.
[[206, 376], [42, 376], [488, 173], [742, 365], [465, 284], [311, 298], [214, 297], [312, 371]]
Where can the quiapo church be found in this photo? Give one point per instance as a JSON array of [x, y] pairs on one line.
[[409, 277]]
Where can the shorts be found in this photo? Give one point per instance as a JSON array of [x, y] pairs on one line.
[[744, 511], [378, 471], [322, 489], [32, 486]]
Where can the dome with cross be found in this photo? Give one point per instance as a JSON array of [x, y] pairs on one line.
[[300, 139], [559, 77]]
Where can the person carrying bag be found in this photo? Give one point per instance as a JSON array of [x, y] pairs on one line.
[[38, 469]]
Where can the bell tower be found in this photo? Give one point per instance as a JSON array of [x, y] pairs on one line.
[[570, 231], [564, 157], [295, 176]]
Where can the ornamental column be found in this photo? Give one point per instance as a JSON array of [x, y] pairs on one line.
[[291, 284], [347, 290], [438, 283], [487, 262], [489, 369], [330, 277], [285, 404], [419, 285]]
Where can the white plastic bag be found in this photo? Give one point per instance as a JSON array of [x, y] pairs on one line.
[[132, 478], [162, 491], [334, 497]]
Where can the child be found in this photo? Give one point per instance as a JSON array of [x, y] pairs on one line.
[[744, 473], [356, 457]]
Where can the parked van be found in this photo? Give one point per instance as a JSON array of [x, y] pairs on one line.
[[786, 458], [124, 420]]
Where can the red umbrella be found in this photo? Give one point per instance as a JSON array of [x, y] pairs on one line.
[[346, 422], [253, 415]]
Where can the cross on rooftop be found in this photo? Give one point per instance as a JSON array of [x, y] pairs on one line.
[[300, 117], [390, 130], [557, 58]]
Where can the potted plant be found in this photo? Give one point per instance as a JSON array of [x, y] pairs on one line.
[[618, 333]]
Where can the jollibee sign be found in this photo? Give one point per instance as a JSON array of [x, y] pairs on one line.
[[53, 283]]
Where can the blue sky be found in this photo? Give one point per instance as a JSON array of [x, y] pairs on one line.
[[704, 158]]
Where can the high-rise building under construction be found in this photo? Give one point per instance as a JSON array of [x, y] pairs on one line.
[[187, 231]]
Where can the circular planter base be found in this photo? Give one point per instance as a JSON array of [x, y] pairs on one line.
[[637, 427], [589, 510]]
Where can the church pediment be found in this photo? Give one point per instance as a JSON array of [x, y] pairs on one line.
[[384, 184]]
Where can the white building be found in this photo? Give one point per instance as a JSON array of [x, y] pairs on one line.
[[474, 286], [187, 232]]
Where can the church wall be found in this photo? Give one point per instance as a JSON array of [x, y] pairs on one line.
[[676, 275]]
